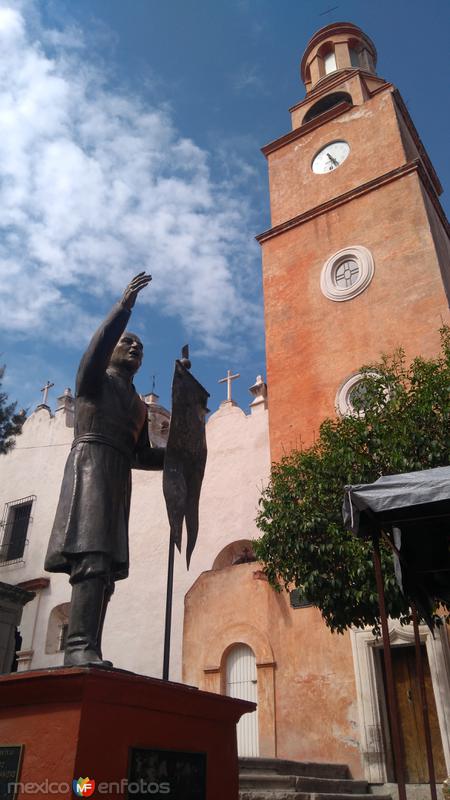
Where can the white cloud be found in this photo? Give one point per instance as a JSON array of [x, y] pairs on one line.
[[95, 186], [248, 77]]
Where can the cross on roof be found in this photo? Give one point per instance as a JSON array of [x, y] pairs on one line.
[[45, 389], [228, 380]]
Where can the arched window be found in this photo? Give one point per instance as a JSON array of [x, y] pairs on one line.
[[354, 57], [239, 552], [57, 629], [326, 103], [329, 62]]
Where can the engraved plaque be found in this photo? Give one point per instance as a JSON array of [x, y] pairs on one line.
[[10, 761], [169, 774]]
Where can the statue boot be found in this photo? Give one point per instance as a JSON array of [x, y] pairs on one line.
[[107, 594], [85, 619]]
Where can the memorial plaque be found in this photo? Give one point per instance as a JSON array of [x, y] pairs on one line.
[[167, 774], [10, 762]]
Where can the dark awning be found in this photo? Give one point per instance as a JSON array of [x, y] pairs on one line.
[[396, 498], [414, 509]]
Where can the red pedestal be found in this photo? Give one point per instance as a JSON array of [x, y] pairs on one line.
[[82, 723]]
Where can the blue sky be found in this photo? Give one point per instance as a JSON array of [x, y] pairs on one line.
[[130, 139]]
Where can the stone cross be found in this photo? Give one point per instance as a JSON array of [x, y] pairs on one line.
[[45, 389], [228, 380]]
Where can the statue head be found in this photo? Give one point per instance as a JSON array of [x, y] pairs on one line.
[[128, 353]]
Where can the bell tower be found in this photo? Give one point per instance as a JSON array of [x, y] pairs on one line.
[[356, 261]]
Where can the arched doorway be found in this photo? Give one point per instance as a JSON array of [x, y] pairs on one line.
[[241, 681]]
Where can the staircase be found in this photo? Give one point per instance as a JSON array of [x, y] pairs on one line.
[[278, 779]]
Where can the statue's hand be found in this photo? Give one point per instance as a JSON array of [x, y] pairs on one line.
[[134, 287]]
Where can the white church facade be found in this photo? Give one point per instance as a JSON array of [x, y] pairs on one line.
[[238, 466]]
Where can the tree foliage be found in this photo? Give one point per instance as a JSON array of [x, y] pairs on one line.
[[10, 421], [400, 424]]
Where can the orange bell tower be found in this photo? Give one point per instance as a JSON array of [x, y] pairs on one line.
[[357, 259]]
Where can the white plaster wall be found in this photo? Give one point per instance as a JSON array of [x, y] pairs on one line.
[[237, 468], [35, 466]]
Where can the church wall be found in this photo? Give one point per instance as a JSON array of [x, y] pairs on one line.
[[305, 673], [314, 343], [238, 465], [376, 148]]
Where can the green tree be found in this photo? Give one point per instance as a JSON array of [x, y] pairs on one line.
[[10, 421], [401, 423]]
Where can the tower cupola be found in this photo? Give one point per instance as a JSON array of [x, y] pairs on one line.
[[337, 47]]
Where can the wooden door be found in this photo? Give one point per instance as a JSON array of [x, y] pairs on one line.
[[242, 683], [410, 713]]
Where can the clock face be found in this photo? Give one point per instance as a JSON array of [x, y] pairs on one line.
[[330, 157]]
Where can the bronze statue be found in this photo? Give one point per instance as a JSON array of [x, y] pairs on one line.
[[89, 539]]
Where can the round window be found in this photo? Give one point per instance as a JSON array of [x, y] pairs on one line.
[[347, 273], [351, 395]]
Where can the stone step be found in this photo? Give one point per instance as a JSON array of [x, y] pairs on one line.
[[266, 781], [291, 794], [270, 780], [344, 786], [282, 766], [273, 795]]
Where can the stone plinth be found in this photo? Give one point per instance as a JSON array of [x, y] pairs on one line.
[[12, 601], [82, 723]]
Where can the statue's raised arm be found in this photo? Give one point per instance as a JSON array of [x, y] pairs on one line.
[[98, 355], [138, 283]]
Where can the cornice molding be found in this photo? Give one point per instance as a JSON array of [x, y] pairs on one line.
[[34, 584], [321, 119], [335, 202], [297, 133], [334, 79]]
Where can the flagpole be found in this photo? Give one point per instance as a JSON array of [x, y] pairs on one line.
[[168, 624], [185, 433]]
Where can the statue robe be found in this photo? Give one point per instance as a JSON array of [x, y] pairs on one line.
[[111, 437]]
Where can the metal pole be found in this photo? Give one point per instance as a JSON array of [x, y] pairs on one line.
[[423, 694], [168, 625], [392, 697]]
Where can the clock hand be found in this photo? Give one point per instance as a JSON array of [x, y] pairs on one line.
[[333, 160]]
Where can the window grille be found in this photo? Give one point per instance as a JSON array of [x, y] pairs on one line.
[[346, 273], [64, 628], [14, 528]]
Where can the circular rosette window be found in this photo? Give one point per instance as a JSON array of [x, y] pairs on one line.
[[347, 273], [351, 395]]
